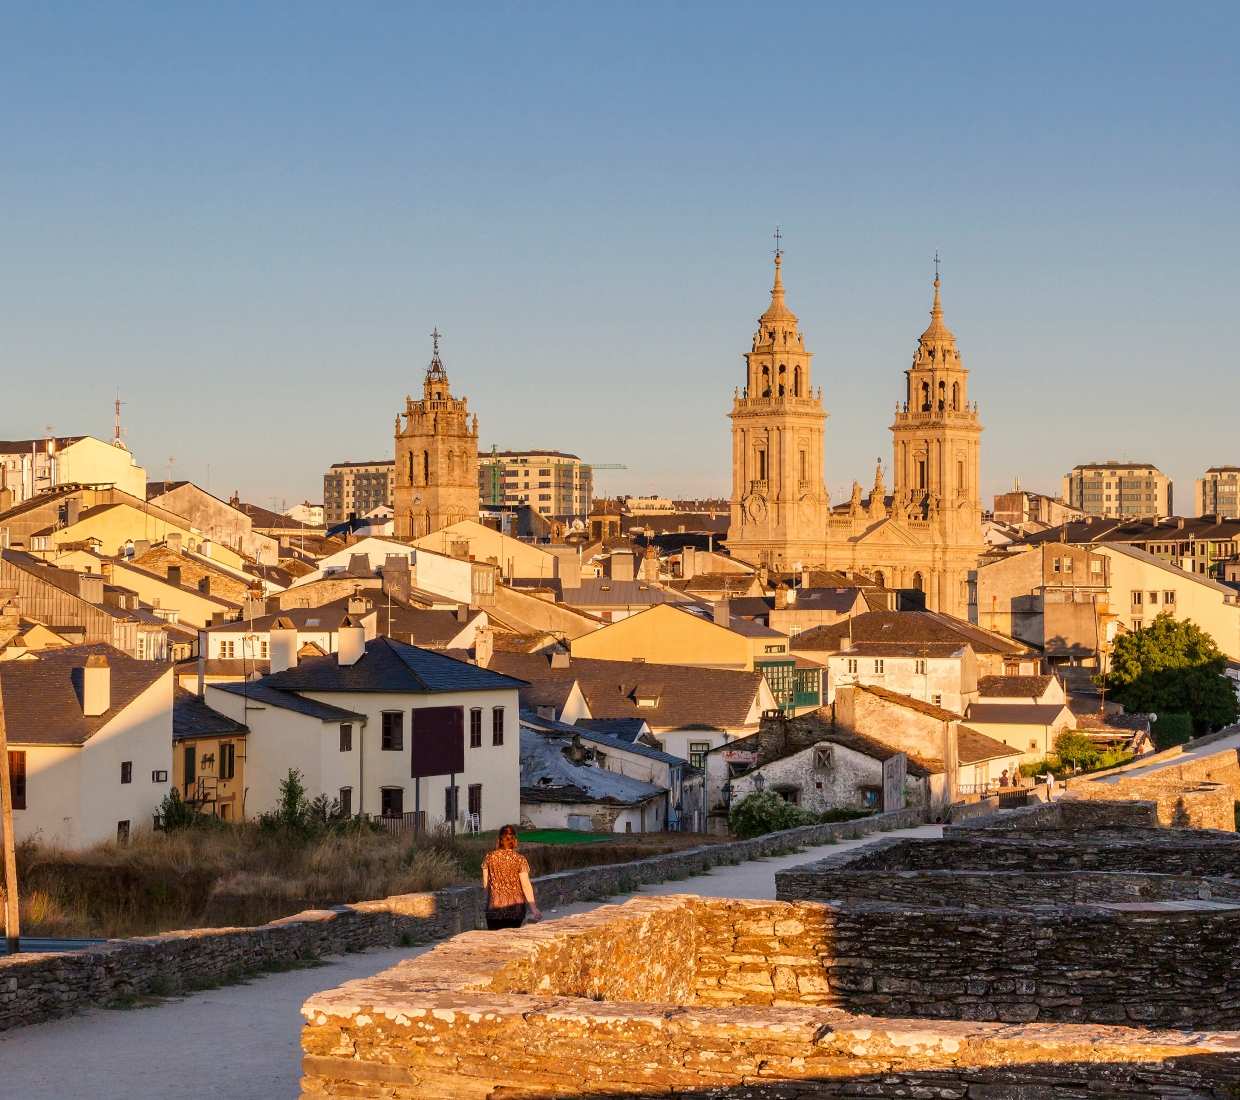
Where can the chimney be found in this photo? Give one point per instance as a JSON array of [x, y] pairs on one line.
[[845, 643], [96, 686], [560, 658], [688, 564], [283, 646], [621, 565], [351, 642], [204, 548], [141, 547], [568, 570], [73, 509], [462, 612], [217, 618], [174, 541], [723, 613], [174, 575], [272, 605], [484, 646]]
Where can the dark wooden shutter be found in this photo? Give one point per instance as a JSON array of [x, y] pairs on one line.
[[438, 741], [190, 761]]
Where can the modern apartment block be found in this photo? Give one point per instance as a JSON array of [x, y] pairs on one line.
[[354, 488], [1217, 493], [1118, 489], [551, 482]]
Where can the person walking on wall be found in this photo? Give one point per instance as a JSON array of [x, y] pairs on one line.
[[506, 879]]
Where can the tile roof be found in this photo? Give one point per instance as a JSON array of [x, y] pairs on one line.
[[691, 698], [1021, 687], [42, 697], [389, 665], [192, 717], [973, 747], [918, 766], [1116, 723], [907, 627], [432, 629], [906, 649], [919, 705], [262, 693]]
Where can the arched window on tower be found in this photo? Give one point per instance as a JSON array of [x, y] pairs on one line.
[[955, 397], [942, 395], [879, 579], [783, 376], [921, 473], [796, 381], [918, 584], [410, 471], [804, 466], [760, 464], [925, 397], [451, 459], [426, 467], [960, 476], [766, 382]]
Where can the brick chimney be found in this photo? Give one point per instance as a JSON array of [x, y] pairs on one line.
[[96, 686]]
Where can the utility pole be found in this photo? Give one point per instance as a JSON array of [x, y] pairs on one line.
[[12, 921]]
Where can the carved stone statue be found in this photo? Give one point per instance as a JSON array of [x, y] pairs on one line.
[[854, 503]]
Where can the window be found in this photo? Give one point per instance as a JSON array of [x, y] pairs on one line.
[[345, 798], [228, 760], [262, 650], [878, 666], [127, 771], [1095, 566], [451, 802], [871, 798], [346, 736], [1168, 597], [544, 496], [852, 666], [697, 753], [393, 738], [17, 779], [1033, 746], [474, 796], [1055, 565], [919, 667], [1136, 599], [159, 776], [774, 649], [937, 700], [497, 725], [227, 649], [475, 728], [392, 801], [1153, 597], [122, 832], [921, 473], [761, 465], [804, 464], [1136, 624], [1067, 565]]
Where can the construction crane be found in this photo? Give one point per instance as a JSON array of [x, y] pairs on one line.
[[497, 465]]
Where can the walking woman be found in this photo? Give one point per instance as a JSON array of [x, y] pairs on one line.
[[506, 879]]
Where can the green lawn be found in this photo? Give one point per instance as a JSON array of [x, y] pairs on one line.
[[562, 836]]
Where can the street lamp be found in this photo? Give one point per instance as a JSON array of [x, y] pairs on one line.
[[759, 782]]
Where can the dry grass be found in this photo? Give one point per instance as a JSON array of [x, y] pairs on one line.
[[231, 875]]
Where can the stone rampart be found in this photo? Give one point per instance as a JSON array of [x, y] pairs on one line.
[[601, 1006], [37, 987]]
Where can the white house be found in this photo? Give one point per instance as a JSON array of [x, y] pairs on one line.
[[90, 743], [380, 725], [250, 638]]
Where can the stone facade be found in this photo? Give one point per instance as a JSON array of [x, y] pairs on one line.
[[436, 459], [684, 995]]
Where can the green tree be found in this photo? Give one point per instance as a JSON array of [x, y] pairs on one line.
[[1076, 749], [1172, 667], [176, 813], [293, 811]]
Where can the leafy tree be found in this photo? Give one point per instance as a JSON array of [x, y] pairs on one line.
[[176, 813], [293, 811], [766, 813], [1076, 749], [1172, 667]]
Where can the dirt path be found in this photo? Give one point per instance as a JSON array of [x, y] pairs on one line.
[[243, 1041]]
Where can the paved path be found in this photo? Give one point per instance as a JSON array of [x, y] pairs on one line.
[[243, 1041], [1188, 756]]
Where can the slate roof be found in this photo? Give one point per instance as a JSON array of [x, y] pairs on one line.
[[1021, 714], [691, 698], [192, 717], [326, 618], [1113, 723], [973, 747], [43, 700], [233, 667], [605, 592], [908, 628], [262, 693], [433, 629], [391, 666], [1012, 687], [623, 729], [825, 599], [547, 775]]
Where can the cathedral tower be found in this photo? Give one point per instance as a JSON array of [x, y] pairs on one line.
[[779, 500], [938, 438], [436, 458]]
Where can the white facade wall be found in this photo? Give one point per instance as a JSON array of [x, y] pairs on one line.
[[555, 815], [75, 796], [256, 645], [444, 576], [953, 679], [283, 739]]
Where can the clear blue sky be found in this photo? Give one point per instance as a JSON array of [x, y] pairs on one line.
[[251, 217]]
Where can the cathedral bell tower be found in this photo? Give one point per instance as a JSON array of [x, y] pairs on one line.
[[779, 500], [938, 438], [436, 458]]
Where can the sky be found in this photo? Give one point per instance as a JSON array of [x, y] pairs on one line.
[[250, 218]]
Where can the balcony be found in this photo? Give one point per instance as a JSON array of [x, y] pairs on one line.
[[759, 487]]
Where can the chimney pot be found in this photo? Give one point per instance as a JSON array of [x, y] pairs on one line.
[[174, 541], [351, 642], [723, 613], [96, 686]]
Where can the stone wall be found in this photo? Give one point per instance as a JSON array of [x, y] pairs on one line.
[[759, 1022], [36, 987]]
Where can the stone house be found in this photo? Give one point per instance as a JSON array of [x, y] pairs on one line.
[[361, 723], [90, 743]]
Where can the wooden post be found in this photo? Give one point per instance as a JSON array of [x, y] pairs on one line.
[[12, 923]]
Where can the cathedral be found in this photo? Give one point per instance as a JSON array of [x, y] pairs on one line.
[[925, 535], [436, 459]]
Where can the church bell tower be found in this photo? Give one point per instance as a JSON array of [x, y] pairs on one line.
[[779, 500]]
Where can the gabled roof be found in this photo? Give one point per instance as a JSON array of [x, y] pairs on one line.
[[973, 747], [918, 766], [1012, 687], [919, 705], [825, 599], [326, 619], [391, 666], [42, 697], [623, 729], [192, 717], [262, 694], [908, 628], [1022, 714], [691, 698]]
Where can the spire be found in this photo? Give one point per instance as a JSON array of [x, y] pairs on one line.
[[435, 372], [777, 310], [937, 333]]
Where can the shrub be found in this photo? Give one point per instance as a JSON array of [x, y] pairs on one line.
[[1172, 729], [175, 813], [844, 815], [292, 812], [757, 814]]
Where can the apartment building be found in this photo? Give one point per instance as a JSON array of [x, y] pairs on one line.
[[354, 488], [1116, 488], [1218, 493], [553, 483], [32, 466]]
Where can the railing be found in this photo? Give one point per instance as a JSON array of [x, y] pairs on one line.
[[400, 824]]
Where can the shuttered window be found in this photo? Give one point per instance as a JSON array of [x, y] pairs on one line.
[[17, 779]]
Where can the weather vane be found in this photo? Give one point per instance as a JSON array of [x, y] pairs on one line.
[[435, 334], [936, 264], [778, 251]]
